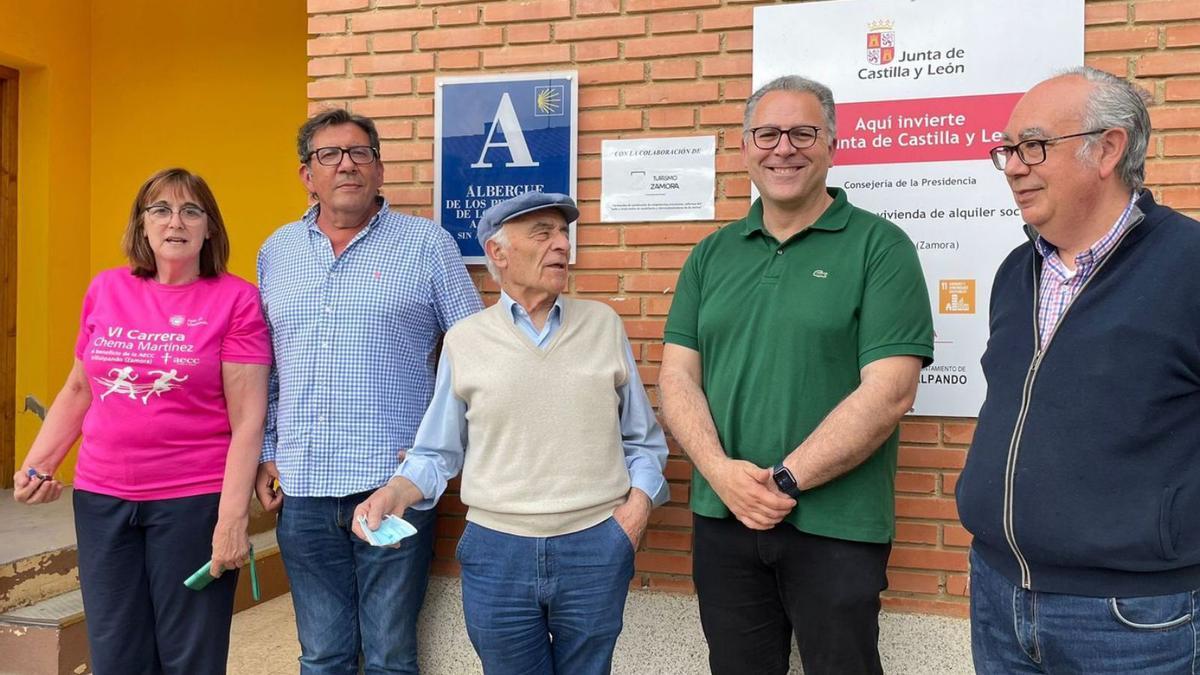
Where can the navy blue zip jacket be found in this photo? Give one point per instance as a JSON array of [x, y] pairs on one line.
[[1084, 473]]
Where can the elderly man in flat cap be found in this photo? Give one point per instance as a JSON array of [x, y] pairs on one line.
[[539, 403]]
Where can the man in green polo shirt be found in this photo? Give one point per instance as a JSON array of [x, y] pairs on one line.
[[793, 349]]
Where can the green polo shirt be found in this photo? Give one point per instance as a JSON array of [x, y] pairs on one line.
[[783, 330]]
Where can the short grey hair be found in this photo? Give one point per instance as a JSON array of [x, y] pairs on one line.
[[332, 118], [501, 240], [1115, 103], [799, 85]]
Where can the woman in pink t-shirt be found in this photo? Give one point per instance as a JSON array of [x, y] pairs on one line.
[[169, 393]]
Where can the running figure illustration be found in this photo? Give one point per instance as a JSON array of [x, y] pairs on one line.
[[122, 385], [165, 382]]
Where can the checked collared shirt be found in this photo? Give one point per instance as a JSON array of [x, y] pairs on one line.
[[354, 338]]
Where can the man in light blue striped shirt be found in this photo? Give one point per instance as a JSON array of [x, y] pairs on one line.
[[357, 298]]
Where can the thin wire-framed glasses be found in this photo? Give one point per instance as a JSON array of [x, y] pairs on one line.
[[1033, 151], [188, 213], [332, 156], [767, 138]]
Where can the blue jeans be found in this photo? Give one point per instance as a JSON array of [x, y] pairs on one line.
[[1019, 631], [544, 605], [349, 595]]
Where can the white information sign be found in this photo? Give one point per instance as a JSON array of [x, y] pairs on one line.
[[649, 179], [923, 90]]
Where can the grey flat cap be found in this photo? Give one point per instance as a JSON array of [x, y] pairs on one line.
[[498, 214]]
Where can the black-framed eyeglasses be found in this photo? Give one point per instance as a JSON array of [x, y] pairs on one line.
[[332, 156], [767, 138], [1033, 151], [188, 213]]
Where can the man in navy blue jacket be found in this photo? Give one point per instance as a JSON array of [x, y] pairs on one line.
[[1082, 486]]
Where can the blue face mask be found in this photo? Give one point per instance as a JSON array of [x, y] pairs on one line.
[[391, 530]]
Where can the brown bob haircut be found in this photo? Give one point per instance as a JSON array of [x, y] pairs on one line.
[[214, 254]]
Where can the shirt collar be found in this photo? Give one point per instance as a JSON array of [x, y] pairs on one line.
[[835, 217], [1104, 244], [310, 216], [516, 311]]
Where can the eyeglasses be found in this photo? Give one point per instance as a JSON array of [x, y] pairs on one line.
[[359, 154], [767, 138], [1033, 151], [188, 213]]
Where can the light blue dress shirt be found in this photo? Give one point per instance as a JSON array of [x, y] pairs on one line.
[[354, 337], [437, 454]]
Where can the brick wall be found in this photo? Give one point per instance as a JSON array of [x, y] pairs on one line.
[[682, 67]]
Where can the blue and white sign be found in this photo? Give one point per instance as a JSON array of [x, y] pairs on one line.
[[499, 136]]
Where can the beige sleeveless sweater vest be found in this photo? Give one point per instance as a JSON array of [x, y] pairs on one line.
[[544, 454]]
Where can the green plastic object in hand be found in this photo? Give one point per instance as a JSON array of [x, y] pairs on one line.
[[201, 578]]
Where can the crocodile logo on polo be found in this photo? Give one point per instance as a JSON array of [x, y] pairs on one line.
[[821, 274]]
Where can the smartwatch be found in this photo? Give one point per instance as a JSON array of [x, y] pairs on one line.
[[785, 480]]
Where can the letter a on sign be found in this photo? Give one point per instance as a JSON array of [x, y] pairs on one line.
[[514, 138]]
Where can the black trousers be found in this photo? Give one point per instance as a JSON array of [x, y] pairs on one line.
[[133, 560], [758, 588]]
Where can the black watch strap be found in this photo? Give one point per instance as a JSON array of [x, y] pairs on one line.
[[786, 481]]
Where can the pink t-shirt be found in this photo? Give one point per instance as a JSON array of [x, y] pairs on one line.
[[158, 427]]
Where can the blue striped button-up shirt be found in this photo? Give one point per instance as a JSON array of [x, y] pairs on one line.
[[355, 337]]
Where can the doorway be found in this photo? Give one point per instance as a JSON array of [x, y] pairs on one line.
[[8, 273]]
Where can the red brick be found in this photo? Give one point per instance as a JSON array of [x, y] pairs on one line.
[[926, 507], [653, 351], [1169, 63], [1162, 10], [1173, 172], [393, 107], [338, 44], [610, 120], [1120, 39], [331, 6], [932, 458], [958, 433], [659, 5], [622, 306], [739, 41], [678, 516], [912, 582], [609, 73], [1183, 36], [959, 610], [390, 129], [409, 196], [528, 32], [680, 492], [928, 559], [601, 259], [738, 90], [397, 173], [666, 94], [922, 483], [458, 60], [673, 23], [597, 283], [596, 97], [658, 305], [1117, 65], [538, 10], [595, 29], [392, 63], [1162, 117], [1096, 13], [450, 527], [956, 584], [674, 541], [955, 535], [649, 375], [337, 88], [593, 7], [664, 562], [665, 259], [666, 234], [1182, 197], [672, 118], [406, 152], [529, 55], [596, 51], [737, 186], [916, 533], [648, 329], [318, 25], [398, 3], [919, 432], [425, 130], [394, 19], [726, 66], [672, 584], [659, 47], [949, 482], [441, 567], [650, 283], [597, 235], [457, 16], [392, 42], [730, 17], [454, 38], [326, 66], [730, 210], [1182, 89], [721, 114], [673, 70]]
